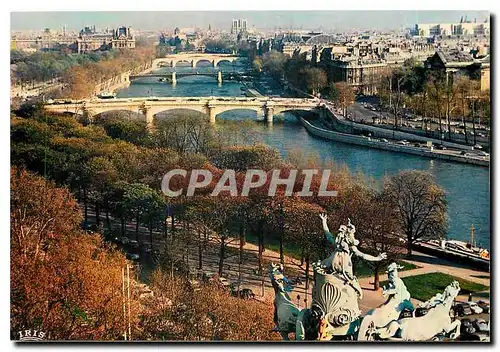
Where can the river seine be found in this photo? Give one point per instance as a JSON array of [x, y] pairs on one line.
[[467, 186]]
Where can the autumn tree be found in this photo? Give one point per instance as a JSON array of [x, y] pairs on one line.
[[63, 281], [420, 204], [177, 311], [343, 95]]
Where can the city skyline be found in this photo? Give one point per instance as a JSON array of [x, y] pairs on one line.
[[315, 20]]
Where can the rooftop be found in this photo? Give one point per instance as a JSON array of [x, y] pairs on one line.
[[454, 56]]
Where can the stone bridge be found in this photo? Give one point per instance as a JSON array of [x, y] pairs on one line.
[[193, 59], [174, 76], [211, 106]]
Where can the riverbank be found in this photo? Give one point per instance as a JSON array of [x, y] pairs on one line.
[[375, 143], [121, 81]]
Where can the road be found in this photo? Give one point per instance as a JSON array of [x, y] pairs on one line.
[[475, 154], [360, 113], [25, 92]]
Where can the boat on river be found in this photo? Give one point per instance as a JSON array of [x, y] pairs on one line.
[[456, 250], [106, 95]]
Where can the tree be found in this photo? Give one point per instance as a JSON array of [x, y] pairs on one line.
[[378, 232], [274, 63], [452, 87], [137, 199], [344, 96], [257, 64], [120, 125], [435, 91], [178, 312], [315, 79], [220, 214], [242, 158], [63, 281], [464, 84], [184, 133], [421, 206]]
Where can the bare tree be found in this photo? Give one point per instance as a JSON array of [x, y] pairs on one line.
[[420, 203]]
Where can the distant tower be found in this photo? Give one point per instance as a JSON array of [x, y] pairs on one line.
[[234, 26], [209, 27]]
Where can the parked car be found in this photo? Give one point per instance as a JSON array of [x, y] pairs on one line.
[[466, 327], [475, 308], [462, 309], [484, 305], [481, 153], [480, 325], [478, 146], [464, 153], [439, 147], [403, 142], [244, 293], [384, 140]]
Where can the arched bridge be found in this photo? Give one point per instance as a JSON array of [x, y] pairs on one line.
[[193, 59], [211, 106], [174, 76]]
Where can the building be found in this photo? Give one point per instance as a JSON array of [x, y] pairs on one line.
[[453, 62], [123, 39], [363, 75], [452, 29], [87, 40], [239, 26]]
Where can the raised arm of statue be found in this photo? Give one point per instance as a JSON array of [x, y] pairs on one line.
[[328, 234], [368, 257]]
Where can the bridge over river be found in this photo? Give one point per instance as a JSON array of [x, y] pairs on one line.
[[211, 106], [193, 59], [173, 76]]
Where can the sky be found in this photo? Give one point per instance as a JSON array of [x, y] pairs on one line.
[[315, 20]]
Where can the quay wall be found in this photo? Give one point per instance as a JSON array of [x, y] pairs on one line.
[[342, 125], [120, 81], [368, 142]]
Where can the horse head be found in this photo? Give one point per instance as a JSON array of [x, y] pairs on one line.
[[450, 293]]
